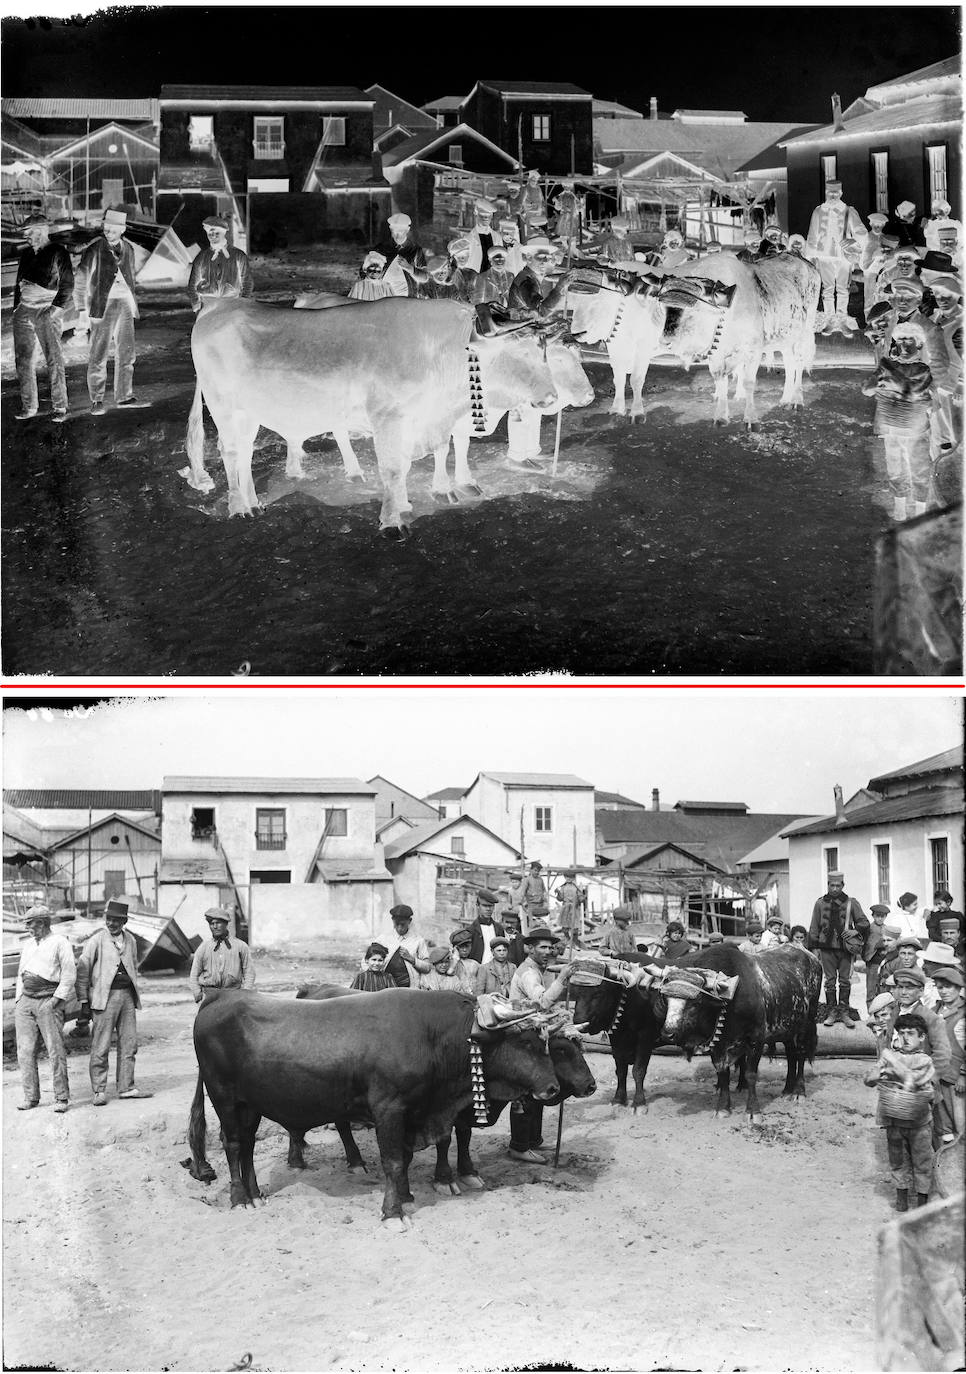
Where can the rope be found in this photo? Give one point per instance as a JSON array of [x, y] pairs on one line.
[[477, 408], [478, 1083]]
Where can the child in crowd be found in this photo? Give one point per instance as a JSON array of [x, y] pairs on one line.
[[674, 944], [440, 977], [751, 944], [905, 1082], [372, 977], [951, 1108], [881, 1010], [800, 936], [774, 934], [371, 286]]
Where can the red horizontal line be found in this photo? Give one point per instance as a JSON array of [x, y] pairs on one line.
[[487, 687]]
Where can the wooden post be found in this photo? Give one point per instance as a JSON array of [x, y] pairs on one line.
[[90, 821]]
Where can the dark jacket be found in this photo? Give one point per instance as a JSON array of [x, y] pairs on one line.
[[95, 276], [828, 922], [50, 268], [529, 296], [481, 938]]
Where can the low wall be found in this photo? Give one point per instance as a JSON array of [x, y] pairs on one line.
[[283, 913], [293, 219]]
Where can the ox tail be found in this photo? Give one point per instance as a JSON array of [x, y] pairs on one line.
[[195, 474], [198, 1166], [810, 1040], [808, 346]]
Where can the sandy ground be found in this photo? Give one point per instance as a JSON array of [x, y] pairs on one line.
[[665, 1239]]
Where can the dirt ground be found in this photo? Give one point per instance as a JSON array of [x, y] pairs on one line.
[[671, 547], [666, 1239]]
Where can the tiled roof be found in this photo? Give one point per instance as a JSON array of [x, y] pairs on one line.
[[612, 108], [949, 66], [538, 779], [930, 801], [446, 794], [78, 799], [424, 831], [945, 108], [256, 786], [721, 839], [718, 148], [445, 102], [613, 799], [775, 848], [276, 93], [73, 107], [392, 109], [936, 763], [537, 87]]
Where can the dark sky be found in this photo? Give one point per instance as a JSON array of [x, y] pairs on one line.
[[774, 63]]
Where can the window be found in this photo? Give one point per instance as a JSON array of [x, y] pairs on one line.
[[336, 820], [456, 153], [269, 136], [333, 132], [201, 131], [831, 853], [939, 862], [936, 162], [269, 827], [456, 845], [442, 812], [203, 823], [881, 852], [114, 879], [543, 818], [270, 875], [112, 192], [880, 182], [829, 164], [541, 128]]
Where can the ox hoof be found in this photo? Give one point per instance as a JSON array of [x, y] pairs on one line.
[[396, 534], [446, 1189], [470, 489], [717, 423], [397, 1225], [724, 1111], [359, 1170], [408, 1208], [445, 498], [473, 1182], [751, 426], [637, 419], [619, 1100]]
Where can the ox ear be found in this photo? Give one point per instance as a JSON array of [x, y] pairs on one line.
[[723, 295]]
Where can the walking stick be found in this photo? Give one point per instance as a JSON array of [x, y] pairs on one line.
[[556, 442], [556, 1153]]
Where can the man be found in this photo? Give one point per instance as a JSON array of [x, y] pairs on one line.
[[408, 954], [45, 980], [220, 962], [567, 207], [903, 953], [831, 224], [480, 237], [534, 204], [531, 895], [494, 285], [510, 236], [107, 987], [483, 926], [44, 288], [218, 272], [832, 916], [405, 259], [465, 967], [496, 975], [534, 985], [905, 227], [572, 901], [616, 937], [104, 296], [512, 928], [910, 983], [532, 296], [877, 946], [941, 233]]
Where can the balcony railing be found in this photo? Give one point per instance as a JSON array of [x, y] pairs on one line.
[[272, 152], [269, 841]]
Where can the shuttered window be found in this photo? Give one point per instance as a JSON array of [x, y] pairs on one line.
[[269, 827], [936, 159], [882, 872], [541, 128], [333, 131], [269, 141], [939, 862], [880, 181]]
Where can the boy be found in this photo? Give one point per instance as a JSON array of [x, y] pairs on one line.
[[905, 1081], [496, 975], [881, 1008], [752, 942], [875, 949], [373, 978], [951, 1108], [440, 977], [774, 934]]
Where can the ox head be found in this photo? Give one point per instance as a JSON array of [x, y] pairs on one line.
[[570, 1066], [569, 378], [599, 985], [695, 1000], [517, 1061], [514, 366]]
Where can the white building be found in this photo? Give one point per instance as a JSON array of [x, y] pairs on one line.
[[297, 856], [550, 816]]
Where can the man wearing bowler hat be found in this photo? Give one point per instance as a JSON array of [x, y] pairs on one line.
[[104, 296], [223, 961], [107, 987], [537, 987], [45, 982], [219, 272], [43, 290], [832, 916]]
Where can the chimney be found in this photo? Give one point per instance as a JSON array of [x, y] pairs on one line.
[[840, 817], [654, 107], [837, 120], [655, 799]]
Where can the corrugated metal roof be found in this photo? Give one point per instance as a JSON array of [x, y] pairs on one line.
[[930, 801], [537, 87], [909, 114], [256, 786], [539, 779], [211, 869], [936, 763], [276, 93], [49, 799], [78, 107]]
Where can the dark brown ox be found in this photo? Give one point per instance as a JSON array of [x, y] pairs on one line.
[[399, 1058], [776, 999]]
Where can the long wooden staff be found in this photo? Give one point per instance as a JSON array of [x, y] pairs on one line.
[[556, 442]]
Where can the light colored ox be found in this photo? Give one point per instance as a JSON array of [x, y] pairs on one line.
[[773, 308], [630, 324], [397, 369]]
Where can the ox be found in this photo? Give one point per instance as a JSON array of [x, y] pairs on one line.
[[572, 1071], [609, 997], [630, 323], [398, 369], [747, 310], [772, 996]]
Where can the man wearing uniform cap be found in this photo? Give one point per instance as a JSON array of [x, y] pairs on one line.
[[831, 224], [219, 272], [942, 234], [107, 988], [832, 916], [222, 961], [537, 987], [405, 259], [106, 304], [45, 982], [43, 290]]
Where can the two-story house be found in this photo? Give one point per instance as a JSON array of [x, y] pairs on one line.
[[547, 816], [902, 832], [291, 164], [549, 125], [296, 857]]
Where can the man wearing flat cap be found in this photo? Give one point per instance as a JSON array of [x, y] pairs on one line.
[[219, 272], [496, 974], [831, 224], [405, 259], [832, 916], [483, 927], [878, 943], [107, 987], [408, 955], [45, 982], [43, 290], [480, 237], [104, 296], [222, 961], [536, 986]]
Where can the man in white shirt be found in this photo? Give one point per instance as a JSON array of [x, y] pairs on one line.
[[534, 985], [45, 982], [408, 954], [831, 224], [104, 296]]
